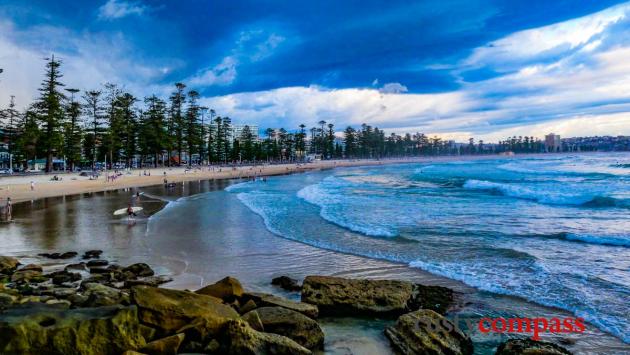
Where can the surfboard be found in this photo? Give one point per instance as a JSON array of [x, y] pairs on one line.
[[124, 211]]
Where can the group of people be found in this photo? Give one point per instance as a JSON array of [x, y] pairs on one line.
[[113, 177]]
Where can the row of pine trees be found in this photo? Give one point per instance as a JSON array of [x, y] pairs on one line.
[[111, 125]]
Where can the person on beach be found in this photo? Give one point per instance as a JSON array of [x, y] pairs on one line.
[[7, 210], [32, 185], [130, 212]]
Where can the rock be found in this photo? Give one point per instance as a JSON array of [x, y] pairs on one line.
[[167, 346], [148, 281], [60, 277], [335, 295], [68, 255], [302, 329], [77, 299], [253, 319], [267, 300], [435, 298], [427, 332], [227, 289], [98, 278], [92, 254], [97, 262], [8, 264], [31, 299], [239, 338], [213, 346], [48, 329], [139, 269], [248, 306], [79, 266], [100, 295], [286, 283], [23, 276], [114, 267], [62, 303], [24, 289], [170, 310], [62, 292], [7, 300], [32, 267], [528, 346], [99, 270]]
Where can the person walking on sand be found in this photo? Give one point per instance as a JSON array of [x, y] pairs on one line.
[[7, 210], [32, 185]]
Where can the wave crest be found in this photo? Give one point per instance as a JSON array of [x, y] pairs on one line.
[[546, 195], [316, 195]]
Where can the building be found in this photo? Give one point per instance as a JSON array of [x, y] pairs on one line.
[[596, 144], [40, 164], [553, 143], [237, 131], [4, 156]]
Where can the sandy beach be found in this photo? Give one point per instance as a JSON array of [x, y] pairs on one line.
[[18, 188]]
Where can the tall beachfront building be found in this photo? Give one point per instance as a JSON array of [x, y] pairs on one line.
[[553, 143], [237, 131]]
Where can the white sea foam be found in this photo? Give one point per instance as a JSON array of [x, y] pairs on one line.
[[316, 195], [240, 185], [549, 195], [479, 277]]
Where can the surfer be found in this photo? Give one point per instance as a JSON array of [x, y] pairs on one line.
[[130, 212]]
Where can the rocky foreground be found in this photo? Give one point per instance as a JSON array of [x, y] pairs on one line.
[[93, 307]]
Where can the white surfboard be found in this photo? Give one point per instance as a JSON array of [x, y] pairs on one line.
[[124, 211]]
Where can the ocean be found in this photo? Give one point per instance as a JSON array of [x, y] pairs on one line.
[[554, 230]]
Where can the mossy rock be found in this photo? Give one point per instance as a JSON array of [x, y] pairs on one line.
[[530, 347], [238, 338], [48, 329], [170, 310], [427, 332]]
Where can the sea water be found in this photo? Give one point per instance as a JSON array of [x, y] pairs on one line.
[[554, 230]]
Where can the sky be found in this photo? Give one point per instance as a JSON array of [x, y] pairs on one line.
[[453, 68]]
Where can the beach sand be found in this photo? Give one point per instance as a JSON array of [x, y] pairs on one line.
[[18, 188]]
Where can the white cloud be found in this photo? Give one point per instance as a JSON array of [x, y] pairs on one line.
[[294, 105], [250, 47], [223, 73], [115, 9], [528, 44], [88, 61], [393, 88]]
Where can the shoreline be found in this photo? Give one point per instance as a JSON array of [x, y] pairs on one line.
[[18, 188]]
